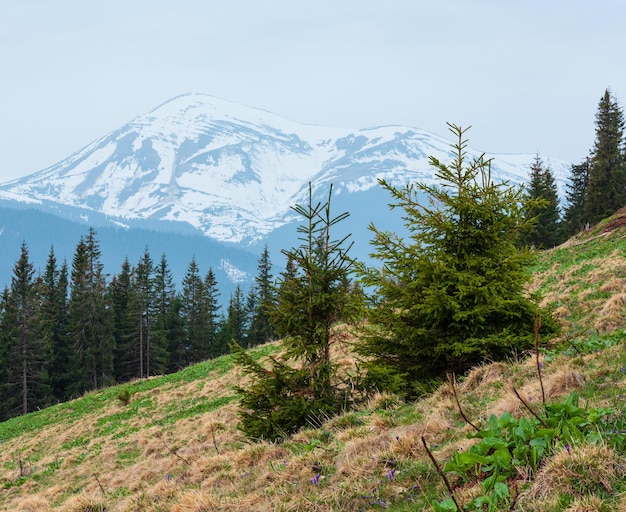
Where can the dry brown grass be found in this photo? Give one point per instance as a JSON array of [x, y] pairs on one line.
[[204, 463], [196, 501], [583, 471], [586, 504]]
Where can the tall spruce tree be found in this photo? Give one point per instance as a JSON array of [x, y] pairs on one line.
[[260, 302], [310, 299], [166, 319], [143, 283], [453, 293], [125, 325], [53, 292], [89, 319], [574, 219], [606, 189], [547, 231], [235, 325], [31, 356], [194, 312], [9, 372], [217, 346]]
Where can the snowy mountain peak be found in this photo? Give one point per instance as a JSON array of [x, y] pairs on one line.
[[233, 172]]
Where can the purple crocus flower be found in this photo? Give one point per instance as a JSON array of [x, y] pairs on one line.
[[316, 479]]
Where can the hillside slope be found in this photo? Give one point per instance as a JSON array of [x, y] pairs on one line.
[[174, 445]]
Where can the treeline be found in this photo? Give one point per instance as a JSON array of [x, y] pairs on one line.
[[596, 186], [70, 330]]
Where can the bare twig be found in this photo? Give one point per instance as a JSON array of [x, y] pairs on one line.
[[213, 436], [441, 474], [171, 450], [537, 326], [100, 485], [167, 447], [525, 404], [458, 404]]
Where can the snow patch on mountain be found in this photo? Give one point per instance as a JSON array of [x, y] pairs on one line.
[[232, 172], [235, 274]]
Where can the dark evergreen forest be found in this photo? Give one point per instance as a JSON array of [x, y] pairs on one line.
[[70, 329]]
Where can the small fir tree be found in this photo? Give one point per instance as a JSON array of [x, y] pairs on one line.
[[453, 293], [311, 297]]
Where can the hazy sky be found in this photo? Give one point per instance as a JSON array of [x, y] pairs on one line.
[[527, 75]]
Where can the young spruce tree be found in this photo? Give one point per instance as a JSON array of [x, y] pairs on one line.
[[310, 298], [453, 293]]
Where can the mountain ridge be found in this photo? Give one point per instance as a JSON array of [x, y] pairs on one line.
[[233, 172]]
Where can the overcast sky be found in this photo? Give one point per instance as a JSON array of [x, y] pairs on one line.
[[526, 74]]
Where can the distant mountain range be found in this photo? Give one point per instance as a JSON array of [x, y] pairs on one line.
[[199, 173]]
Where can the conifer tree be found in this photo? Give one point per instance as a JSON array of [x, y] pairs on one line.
[[606, 189], [195, 346], [546, 232], [165, 318], [211, 300], [260, 302], [122, 298], [9, 375], [451, 294], [89, 320], [53, 297], [576, 192], [235, 325], [310, 299], [31, 355], [143, 283]]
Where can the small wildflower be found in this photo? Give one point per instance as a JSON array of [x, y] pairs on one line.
[[568, 450], [397, 438], [391, 474], [316, 479], [622, 370]]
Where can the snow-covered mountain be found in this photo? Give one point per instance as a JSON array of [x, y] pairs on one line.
[[232, 172]]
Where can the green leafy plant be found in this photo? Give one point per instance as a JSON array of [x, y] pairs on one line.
[[508, 444]]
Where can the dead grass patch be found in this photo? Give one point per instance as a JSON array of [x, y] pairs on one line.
[[563, 382], [85, 503], [587, 504], [196, 501], [482, 376], [612, 313], [580, 472], [34, 504]]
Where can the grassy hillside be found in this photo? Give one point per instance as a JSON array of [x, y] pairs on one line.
[[171, 444]]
